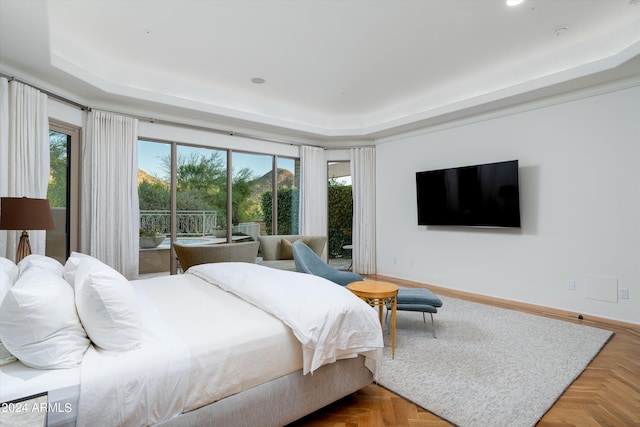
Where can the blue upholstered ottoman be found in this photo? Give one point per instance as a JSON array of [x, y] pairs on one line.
[[419, 299], [419, 296]]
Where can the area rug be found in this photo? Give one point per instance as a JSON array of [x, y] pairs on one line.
[[488, 366]]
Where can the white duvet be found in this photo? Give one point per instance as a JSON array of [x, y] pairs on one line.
[[202, 343], [136, 387], [329, 321]]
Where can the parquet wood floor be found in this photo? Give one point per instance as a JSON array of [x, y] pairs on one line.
[[607, 393]]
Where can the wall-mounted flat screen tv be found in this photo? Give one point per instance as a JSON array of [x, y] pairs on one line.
[[485, 195]]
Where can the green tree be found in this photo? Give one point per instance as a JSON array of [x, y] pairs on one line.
[[202, 183], [243, 208], [287, 210], [340, 201], [203, 177], [154, 196], [57, 190]]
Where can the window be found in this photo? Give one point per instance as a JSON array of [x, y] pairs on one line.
[[280, 216], [154, 194], [288, 196], [203, 212], [200, 199], [340, 200], [252, 184], [62, 190], [201, 179]]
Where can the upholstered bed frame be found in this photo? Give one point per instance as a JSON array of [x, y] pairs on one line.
[[283, 400]]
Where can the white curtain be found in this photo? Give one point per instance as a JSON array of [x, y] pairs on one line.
[[363, 166], [313, 192], [110, 219], [24, 155]]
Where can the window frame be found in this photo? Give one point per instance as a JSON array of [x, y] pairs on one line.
[[229, 153], [73, 182]]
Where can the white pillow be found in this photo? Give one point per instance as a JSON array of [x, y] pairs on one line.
[[10, 268], [6, 282], [5, 356], [40, 261], [39, 323], [8, 276], [108, 306], [71, 266]]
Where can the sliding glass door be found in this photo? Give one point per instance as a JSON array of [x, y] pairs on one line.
[[287, 187], [201, 194], [62, 190], [154, 194], [252, 183], [340, 200], [185, 197]]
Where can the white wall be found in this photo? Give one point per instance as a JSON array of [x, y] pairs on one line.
[[580, 206]]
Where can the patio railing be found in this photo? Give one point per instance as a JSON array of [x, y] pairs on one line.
[[189, 223]]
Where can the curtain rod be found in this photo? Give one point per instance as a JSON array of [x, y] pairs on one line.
[[48, 93], [160, 121]]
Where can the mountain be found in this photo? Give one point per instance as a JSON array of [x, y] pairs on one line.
[[143, 176], [264, 183]]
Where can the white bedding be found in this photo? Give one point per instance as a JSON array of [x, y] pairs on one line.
[[330, 322], [206, 344], [18, 381], [202, 343], [233, 345], [136, 387]]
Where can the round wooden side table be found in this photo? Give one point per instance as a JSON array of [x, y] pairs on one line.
[[379, 294]]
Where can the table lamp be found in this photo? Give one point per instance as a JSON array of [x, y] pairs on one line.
[[22, 213]]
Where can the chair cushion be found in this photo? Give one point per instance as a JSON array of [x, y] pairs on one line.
[[280, 264], [425, 308], [285, 249], [341, 277], [419, 296], [190, 255], [271, 246]]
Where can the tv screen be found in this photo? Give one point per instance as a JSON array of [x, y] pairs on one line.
[[484, 195]]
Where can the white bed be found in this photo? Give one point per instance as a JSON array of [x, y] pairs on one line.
[[229, 344]]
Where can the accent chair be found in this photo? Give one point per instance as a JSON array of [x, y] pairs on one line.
[[307, 261]]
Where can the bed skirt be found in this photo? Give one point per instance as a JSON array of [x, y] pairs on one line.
[[283, 400]]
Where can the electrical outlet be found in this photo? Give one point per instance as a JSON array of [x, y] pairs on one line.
[[623, 293], [571, 285], [411, 263]]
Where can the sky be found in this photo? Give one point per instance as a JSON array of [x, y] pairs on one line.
[[151, 153]]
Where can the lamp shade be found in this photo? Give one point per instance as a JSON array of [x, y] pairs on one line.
[[22, 213]]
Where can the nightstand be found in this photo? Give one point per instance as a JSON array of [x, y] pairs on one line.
[[30, 411]]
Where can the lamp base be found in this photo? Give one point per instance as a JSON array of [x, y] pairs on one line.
[[24, 248]]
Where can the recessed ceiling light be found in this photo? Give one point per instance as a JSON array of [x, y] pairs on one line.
[[514, 2], [258, 80]]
